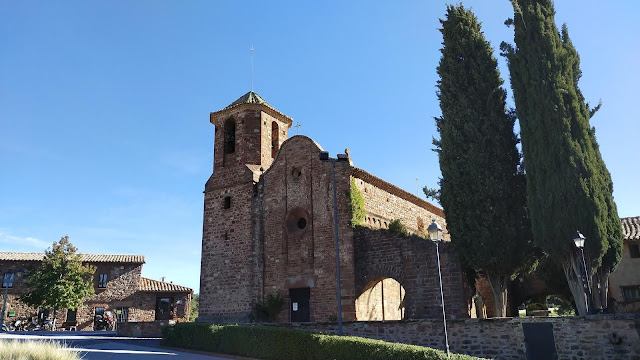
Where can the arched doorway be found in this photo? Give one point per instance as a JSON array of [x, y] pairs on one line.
[[382, 299]]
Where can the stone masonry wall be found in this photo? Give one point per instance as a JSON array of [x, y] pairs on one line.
[[603, 337], [298, 185], [412, 262], [150, 329], [227, 278], [144, 306], [382, 206]]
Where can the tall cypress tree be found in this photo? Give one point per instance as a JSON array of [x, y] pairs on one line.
[[568, 185], [482, 189]]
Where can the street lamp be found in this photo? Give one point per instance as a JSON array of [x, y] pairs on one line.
[[324, 156], [435, 234], [578, 239]]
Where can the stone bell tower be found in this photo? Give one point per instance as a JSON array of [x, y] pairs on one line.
[[248, 135]]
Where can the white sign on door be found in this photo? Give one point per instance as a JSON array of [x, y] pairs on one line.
[[295, 306]]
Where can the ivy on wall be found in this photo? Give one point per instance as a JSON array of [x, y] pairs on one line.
[[356, 205]]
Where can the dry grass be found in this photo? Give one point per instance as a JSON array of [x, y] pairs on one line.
[[35, 350]]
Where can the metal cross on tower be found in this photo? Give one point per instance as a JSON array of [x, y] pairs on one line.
[[297, 126]]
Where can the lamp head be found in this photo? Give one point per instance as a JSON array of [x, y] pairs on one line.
[[578, 239], [435, 231]]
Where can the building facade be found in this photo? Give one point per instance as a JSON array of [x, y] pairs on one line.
[[268, 228], [624, 282], [119, 288]]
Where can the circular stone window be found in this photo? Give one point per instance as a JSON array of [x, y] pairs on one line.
[[296, 172], [297, 221]]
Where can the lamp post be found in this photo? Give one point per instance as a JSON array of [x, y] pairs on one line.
[[7, 282], [324, 156], [435, 234], [578, 239]]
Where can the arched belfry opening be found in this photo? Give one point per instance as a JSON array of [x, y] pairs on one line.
[[275, 139], [382, 299], [230, 136]]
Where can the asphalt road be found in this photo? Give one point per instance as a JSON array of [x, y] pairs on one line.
[[101, 345]]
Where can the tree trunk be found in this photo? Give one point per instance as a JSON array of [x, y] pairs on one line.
[[601, 287], [53, 323], [479, 302], [573, 270], [498, 286]]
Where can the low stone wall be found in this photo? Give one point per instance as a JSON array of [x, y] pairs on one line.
[[141, 329], [580, 338]]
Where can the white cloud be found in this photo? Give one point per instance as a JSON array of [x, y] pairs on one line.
[[21, 243]]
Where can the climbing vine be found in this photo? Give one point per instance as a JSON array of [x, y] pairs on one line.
[[356, 205]]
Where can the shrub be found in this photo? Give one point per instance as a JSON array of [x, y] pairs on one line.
[[267, 309], [35, 350], [270, 342], [397, 227], [536, 306]]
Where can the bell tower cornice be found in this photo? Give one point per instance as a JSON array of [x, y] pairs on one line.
[[249, 101]]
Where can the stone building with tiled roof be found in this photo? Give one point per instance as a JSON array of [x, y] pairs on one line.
[[118, 285], [269, 229], [624, 282]]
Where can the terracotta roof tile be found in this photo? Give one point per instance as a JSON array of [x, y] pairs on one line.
[[93, 258], [161, 286], [631, 228]]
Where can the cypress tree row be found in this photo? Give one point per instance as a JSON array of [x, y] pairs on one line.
[[568, 185], [482, 189]]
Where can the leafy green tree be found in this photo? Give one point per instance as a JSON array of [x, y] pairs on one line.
[[61, 281], [482, 189], [194, 307], [431, 193], [568, 185]]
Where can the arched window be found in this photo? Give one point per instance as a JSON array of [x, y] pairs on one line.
[[275, 139], [229, 136]]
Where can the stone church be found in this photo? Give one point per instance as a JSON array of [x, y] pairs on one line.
[[268, 228]]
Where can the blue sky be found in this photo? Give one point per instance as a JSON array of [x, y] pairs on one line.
[[104, 105]]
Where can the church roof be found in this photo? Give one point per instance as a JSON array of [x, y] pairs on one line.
[[249, 98], [252, 99], [631, 228]]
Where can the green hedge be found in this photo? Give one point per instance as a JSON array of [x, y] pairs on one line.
[[274, 343]]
